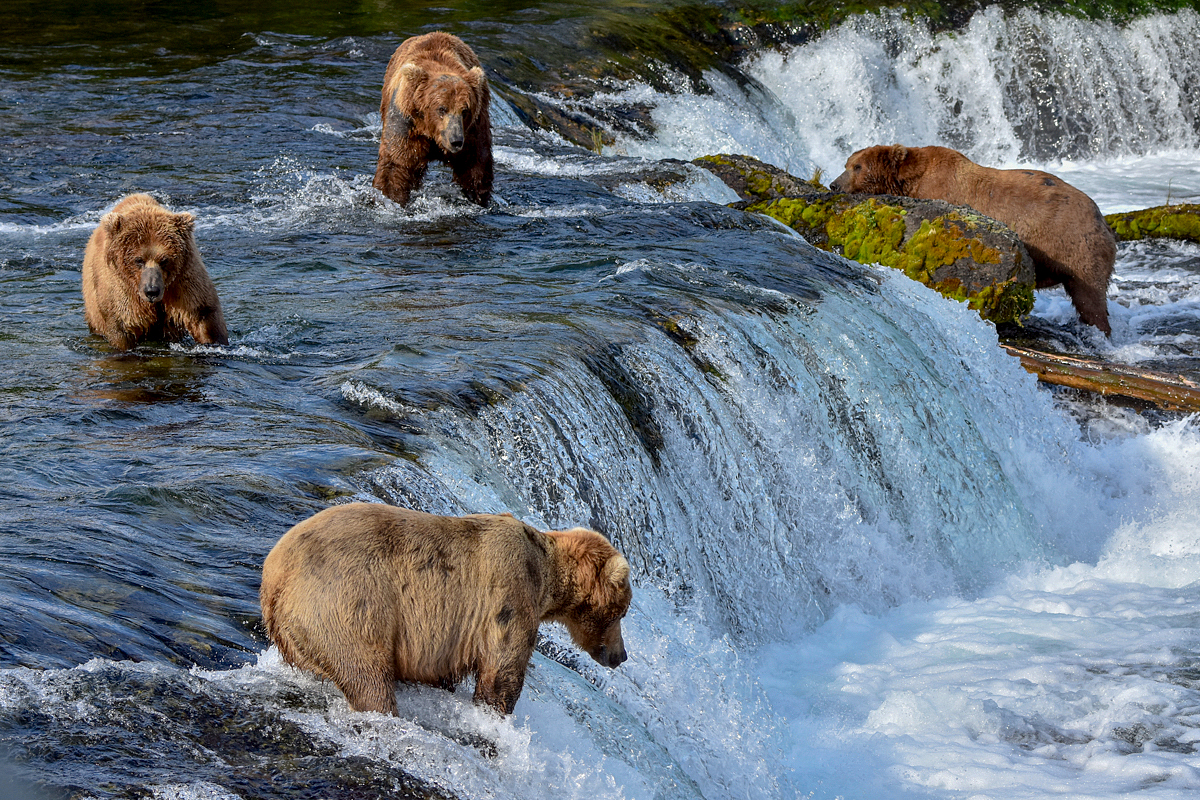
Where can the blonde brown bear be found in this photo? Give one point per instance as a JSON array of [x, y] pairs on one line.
[[435, 105], [1060, 226], [367, 594], [143, 278]]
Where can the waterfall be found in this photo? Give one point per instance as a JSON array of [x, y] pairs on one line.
[[1006, 88], [830, 468]]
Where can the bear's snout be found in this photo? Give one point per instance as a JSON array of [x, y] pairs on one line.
[[611, 652], [612, 658], [453, 136], [840, 182], [152, 285]]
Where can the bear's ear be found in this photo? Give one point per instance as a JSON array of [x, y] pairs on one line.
[[899, 153], [111, 222], [616, 571], [411, 72], [184, 222], [475, 77]]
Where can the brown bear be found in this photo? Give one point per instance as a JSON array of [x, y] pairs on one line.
[[143, 278], [435, 105], [1060, 226], [367, 594]]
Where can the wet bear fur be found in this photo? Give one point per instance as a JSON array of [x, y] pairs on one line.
[[143, 278], [435, 106], [366, 594], [1060, 226]]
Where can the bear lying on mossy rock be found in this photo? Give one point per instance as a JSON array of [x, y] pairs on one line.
[[435, 105], [143, 278], [961, 254], [1060, 226], [367, 594]]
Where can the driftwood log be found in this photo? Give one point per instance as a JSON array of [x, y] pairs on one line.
[[1165, 390]]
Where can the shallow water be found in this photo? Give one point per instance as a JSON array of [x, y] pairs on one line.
[[871, 554]]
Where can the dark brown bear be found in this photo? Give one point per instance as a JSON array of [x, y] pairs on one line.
[[434, 106], [1060, 226], [367, 594], [143, 278]]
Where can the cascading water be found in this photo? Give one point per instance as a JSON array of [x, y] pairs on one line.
[[913, 462], [1007, 88]]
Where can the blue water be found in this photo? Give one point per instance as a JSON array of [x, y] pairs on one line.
[[872, 556]]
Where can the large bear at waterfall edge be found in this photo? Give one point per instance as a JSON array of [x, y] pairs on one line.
[[1060, 226], [143, 278], [366, 594], [435, 105]]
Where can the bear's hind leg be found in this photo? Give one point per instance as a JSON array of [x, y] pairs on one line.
[[1091, 303]]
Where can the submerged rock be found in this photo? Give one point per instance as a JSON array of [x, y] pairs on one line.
[[954, 250], [1180, 221]]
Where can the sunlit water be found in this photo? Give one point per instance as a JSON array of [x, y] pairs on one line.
[[872, 556]]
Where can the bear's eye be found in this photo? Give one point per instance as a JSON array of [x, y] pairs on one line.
[[858, 167], [141, 262], [442, 110]]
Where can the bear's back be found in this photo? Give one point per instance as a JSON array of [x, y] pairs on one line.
[[388, 551]]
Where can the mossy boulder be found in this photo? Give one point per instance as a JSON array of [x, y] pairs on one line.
[[756, 180], [952, 249], [1181, 221]]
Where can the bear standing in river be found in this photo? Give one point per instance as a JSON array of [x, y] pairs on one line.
[[367, 594], [143, 278], [434, 106], [1060, 226]]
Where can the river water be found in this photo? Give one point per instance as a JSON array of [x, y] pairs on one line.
[[872, 557]]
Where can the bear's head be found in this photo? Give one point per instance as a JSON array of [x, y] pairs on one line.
[[599, 594], [874, 170], [442, 105], [149, 247]]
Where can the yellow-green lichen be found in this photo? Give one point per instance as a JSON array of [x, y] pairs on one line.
[[1003, 302], [873, 232], [1167, 222], [803, 215], [938, 243]]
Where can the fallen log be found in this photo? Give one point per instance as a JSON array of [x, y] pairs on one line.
[[1165, 390]]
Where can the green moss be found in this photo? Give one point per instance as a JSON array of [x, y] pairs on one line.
[[786, 210], [1003, 302], [939, 243], [810, 218], [761, 184], [719, 160], [873, 232], [1166, 222]]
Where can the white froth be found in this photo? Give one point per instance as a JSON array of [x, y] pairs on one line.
[[1074, 681]]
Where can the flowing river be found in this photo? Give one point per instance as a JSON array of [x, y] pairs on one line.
[[872, 557]]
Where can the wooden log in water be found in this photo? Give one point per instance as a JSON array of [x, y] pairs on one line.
[[1165, 390]]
